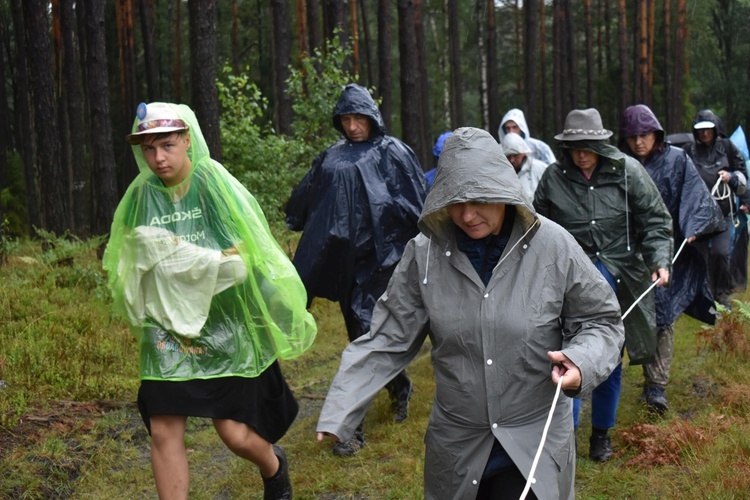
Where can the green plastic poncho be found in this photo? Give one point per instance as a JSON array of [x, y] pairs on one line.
[[197, 312]]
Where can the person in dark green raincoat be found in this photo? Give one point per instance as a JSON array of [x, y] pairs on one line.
[[607, 201]]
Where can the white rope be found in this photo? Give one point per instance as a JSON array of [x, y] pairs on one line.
[[723, 196], [532, 479]]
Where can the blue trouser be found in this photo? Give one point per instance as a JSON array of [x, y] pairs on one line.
[[606, 396], [604, 401]]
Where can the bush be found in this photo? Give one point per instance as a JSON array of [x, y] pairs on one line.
[[269, 164]]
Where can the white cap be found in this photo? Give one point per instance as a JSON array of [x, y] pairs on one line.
[[704, 125], [155, 118]]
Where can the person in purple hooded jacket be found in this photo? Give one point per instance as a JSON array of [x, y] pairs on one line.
[[695, 214]]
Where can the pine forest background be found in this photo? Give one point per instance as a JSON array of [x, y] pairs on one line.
[[263, 76]]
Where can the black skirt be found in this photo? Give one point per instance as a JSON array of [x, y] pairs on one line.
[[265, 402]]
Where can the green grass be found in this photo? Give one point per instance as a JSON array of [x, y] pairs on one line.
[[69, 427]]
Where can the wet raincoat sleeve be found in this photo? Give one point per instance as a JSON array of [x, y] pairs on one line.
[[593, 334], [371, 361], [699, 215], [652, 221]]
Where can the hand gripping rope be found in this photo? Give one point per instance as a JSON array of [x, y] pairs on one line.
[[532, 479]]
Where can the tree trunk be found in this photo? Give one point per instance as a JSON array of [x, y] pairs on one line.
[[517, 42], [61, 96], [54, 181], [146, 11], [335, 14], [354, 30], [557, 65], [543, 68], [454, 62], [651, 31], [483, 97], [302, 38], [125, 29], [607, 34], [205, 98], [385, 82], [71, 88], [177, 59], [4, 140], [680, 64], [531, 61], [409, 65], [641, 89], [571, 59], [368, 43], [669, 101], [26, 132], [282, 58], [492, 100], [622, 33], [425, 154], [590, 89], [104, 191], [313, 25]]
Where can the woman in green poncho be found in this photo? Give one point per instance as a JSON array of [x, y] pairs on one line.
[[212, 299]]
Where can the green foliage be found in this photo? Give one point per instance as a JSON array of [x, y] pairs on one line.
[[314, 88], [12, 198], [267, 163], [57, 337]]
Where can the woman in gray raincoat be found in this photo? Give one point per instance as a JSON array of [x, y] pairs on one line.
[[513, 303]]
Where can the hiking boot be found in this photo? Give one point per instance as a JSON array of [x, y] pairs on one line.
[[278, 487], [350, 447], [600, 448], [401, 389], [655, 398]]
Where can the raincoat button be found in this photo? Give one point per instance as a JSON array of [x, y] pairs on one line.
[[525, 247], [618, 280], [494, 426], [489, 361], [591, 188], [593, 222], [486, 295], [597, 254], [474, 482], [448, 253]]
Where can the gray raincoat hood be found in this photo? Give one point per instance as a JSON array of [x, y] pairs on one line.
[[488, 177]]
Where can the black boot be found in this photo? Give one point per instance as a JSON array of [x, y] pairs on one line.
[[655, 398], [278, 487], [600, 446], [353, 445], [400, 389]]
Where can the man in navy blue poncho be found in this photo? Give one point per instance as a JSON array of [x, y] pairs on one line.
[[357, 207]]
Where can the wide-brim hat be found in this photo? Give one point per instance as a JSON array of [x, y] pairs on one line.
[[155, 118], [584, 125]]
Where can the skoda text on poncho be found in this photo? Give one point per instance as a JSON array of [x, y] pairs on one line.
[[208, 315], [489, 343]]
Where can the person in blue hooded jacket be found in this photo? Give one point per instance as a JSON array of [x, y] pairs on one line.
[[357, 207], [695, 216]]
